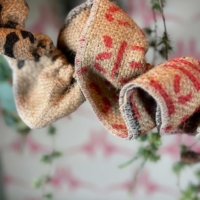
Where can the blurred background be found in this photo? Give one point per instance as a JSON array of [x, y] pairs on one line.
[[88, 168]]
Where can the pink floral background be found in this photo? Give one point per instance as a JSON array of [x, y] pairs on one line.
[[88, 169]]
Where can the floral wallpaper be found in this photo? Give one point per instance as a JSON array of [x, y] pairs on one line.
[[88, 168]]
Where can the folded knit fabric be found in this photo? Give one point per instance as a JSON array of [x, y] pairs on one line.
[[108, 50], [111, 52]]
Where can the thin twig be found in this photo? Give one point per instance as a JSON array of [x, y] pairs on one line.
[[165, 27], [155, 31], [49, 170], [136, 175]]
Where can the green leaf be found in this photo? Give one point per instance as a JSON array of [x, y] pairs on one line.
[[190, 193], [56, 154], [178, 167], [5, 71], [144, 152], [142, 138], [155, 139], [148, 31], [22, 128], [128, 163], [183, 148], [47, 159], [52, 130], [197, 173], [12, 119], [48, 196], [37, 183], [153, 43], [156, 6], [154, 158]]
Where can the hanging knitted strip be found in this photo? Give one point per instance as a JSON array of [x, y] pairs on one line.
[[108, 50]]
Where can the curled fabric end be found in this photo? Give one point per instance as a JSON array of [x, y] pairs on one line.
[[166, 96]]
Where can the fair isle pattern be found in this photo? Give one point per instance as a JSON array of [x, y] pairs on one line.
[[108, 50]]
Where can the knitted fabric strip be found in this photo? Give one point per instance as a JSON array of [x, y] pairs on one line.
[[108, 51], [111, 52], [171, 91]]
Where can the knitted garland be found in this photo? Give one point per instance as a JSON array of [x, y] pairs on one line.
[[101, 58]]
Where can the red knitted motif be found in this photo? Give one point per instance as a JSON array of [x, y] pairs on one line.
[[185, 62], [104, 56], [168, 128], [134, 108], [118, 126], [192, 78], [109, 16], [99, 68], [107, 105], [123, 23], [124, 80], [136, 65], [82, 71], [177, 80], [138, 48], [119, 58], [107, 41], [95, 87], [166, 97], [185, 99], [113, 9]]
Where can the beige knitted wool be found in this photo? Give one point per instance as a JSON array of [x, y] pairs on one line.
[[46, 90], [108, 51], [71, 31]]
